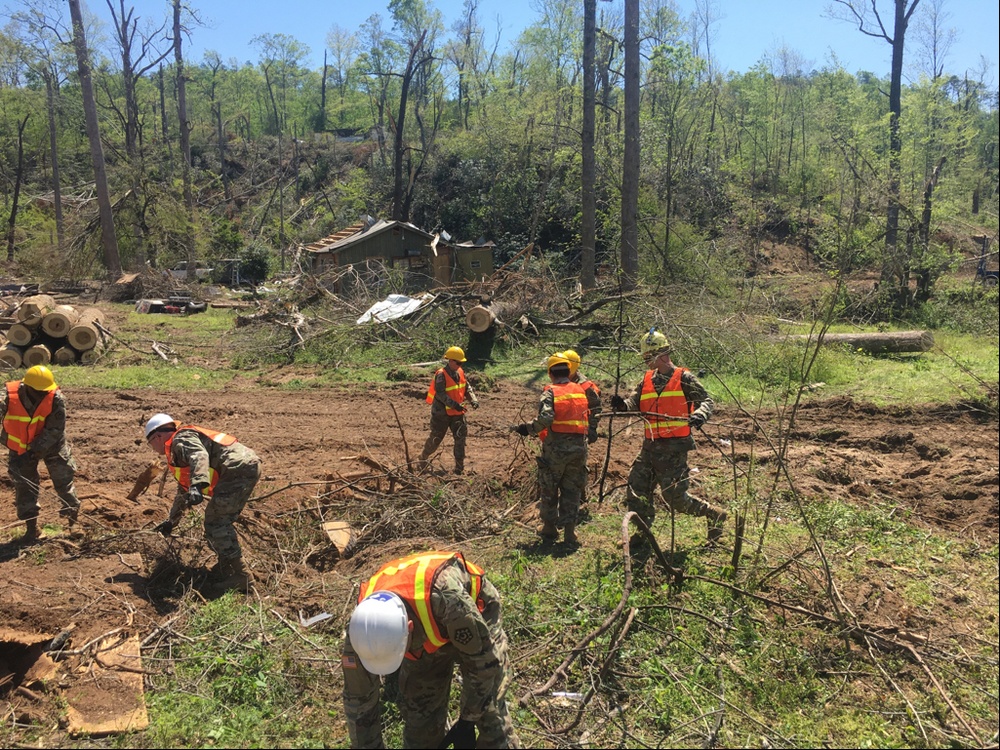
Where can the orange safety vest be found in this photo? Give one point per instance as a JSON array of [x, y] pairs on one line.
[[22, 428], [454, 389], [570, 402], [411, 578], [183, 473], [587, 384], [666, 413]]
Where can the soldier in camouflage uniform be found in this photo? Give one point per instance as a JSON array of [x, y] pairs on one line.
[[671, 401], [568, 421], [33, 413], [436, 609], [448, 395], [213, 466]]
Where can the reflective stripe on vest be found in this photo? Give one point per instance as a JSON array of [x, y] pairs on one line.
[[411, 578], [570, 403], [665, 413], [454, 390], [22, 428], [183, 473]]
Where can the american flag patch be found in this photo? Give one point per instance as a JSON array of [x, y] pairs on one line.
[[348, 662]]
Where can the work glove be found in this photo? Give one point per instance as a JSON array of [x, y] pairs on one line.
[[194, 495], [523, 429], [164, 527], [618, 403], [461, 735], [696, 420], [591, 435]]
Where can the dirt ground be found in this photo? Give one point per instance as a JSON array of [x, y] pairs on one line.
[[940, 465]]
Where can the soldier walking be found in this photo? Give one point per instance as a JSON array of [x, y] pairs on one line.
[[671, 401], [421, 615], [567, 422], [448, 395], [34, 429], [212, 466]]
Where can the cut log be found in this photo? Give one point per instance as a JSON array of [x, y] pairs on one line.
[[64, 355], [84, 335], [11, 356], [33, 309], [891, 342], [59, 322], [39, 354], [90, 356], [20, 334], [479, 318]]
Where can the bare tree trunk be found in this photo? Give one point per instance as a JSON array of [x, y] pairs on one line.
[[924, 277], [588, 225], [399, 143], [18, 178], [108, 239], [322, 96], [52, 103], [630, 162], [185, 133]]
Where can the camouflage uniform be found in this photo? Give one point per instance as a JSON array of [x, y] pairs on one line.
[[476, 642], [49, 446], [441, 421], [562, 466], [238, 469], [664, 461]]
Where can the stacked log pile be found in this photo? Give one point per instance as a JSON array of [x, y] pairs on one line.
[[44, 332]]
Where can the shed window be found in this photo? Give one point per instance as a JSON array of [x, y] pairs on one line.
[[475, 264]]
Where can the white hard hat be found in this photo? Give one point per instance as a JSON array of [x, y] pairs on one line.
[[157, 421], [380, 632]]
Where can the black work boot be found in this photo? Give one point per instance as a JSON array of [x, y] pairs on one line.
[[30, 531]]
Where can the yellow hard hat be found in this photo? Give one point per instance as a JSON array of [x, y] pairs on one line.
[[574, 361], [653, 344], [40, 378], [559, 358], [455, 353]]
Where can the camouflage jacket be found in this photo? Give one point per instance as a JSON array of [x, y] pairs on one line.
[[199, 453], [547, 414], [442, 401]]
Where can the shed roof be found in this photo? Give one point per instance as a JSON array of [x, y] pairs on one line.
[[357, 232]]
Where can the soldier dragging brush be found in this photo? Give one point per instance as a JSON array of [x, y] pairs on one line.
[[421, 615], [448, 395], [212, 466], [671, 401], [34, 429]]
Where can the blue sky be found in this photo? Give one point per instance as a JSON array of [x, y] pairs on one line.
[[746, 31]]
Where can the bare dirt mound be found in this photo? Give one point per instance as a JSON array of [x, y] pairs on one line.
[[939, 467]]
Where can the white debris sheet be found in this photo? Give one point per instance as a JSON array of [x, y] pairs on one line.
[[394, 306]]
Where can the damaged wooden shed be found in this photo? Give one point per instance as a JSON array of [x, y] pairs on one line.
[[427, 260]]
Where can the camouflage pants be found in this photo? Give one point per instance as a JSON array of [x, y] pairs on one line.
[[660, 463], [424, 688], [562, 482], [440, 424], [23, 470], [228, 499]]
